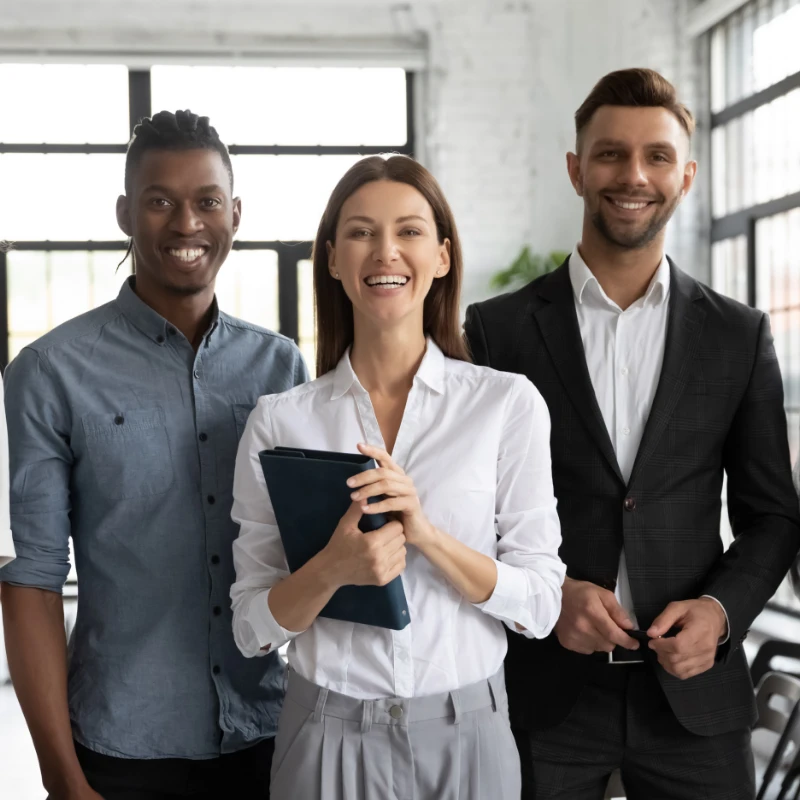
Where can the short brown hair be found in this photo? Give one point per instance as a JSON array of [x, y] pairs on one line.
[[633, 87], [334, 311]]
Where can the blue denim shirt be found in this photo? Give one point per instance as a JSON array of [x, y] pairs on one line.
[[124, 439]]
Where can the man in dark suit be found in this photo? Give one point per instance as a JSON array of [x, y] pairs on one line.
[[657, 387]]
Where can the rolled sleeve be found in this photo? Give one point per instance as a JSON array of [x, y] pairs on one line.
[[530, 573], [40, 464], [258, 554]]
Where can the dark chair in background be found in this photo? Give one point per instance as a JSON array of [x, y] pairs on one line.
[[778, 702]]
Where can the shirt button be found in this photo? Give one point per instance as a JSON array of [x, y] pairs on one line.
[[217, 611], [119, 419], [215, 560], [215, 669], [160, 339], [171, 331], [629, 504], [396, 712], [203, 437], [624, 370], [626, 431], [197, 373], [211, 499]]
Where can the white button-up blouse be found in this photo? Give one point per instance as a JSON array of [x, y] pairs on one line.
[[477, 444]]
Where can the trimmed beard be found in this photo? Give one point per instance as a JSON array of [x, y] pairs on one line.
[[642, 239]]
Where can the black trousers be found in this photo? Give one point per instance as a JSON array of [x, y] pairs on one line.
[[622, 719], [244, 774]]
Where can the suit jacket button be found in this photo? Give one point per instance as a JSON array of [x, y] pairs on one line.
[[629, 504]]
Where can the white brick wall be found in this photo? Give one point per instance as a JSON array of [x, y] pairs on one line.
[[502, 83]]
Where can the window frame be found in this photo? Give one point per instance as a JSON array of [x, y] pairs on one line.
[[289, 252], [744, 222]]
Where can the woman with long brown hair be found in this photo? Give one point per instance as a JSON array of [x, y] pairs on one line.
[[373, 713]]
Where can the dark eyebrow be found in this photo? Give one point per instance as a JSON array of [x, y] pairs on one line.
[[662, 146], [210, 189], [359, 218], [619, 143]]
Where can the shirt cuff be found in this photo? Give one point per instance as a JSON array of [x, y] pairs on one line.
[[727, 621], [509, 596], [7, 552], [265, 627]]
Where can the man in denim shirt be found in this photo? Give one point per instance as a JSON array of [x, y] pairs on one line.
[[124, 424]]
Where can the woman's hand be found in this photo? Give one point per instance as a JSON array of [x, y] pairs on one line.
[[390, 480], [364, 559]]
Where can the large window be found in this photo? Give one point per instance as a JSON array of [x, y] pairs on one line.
[[292, 133], [755, 119]]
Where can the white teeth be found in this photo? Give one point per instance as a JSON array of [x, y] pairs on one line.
[[629, 206], [392, 280], [186, 255]]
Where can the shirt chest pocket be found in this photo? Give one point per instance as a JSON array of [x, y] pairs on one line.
[[129, 452]]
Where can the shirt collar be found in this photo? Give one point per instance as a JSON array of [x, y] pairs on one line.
[[149, 321], [582, 277], [431, 372]]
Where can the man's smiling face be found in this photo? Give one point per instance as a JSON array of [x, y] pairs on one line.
[[632, 170], [182, 218]]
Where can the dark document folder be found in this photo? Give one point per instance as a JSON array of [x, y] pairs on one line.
[[309, 494]]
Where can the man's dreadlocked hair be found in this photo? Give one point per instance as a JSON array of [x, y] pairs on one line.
[[167, 131]]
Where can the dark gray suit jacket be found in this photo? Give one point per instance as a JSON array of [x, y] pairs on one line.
[[718, 408]]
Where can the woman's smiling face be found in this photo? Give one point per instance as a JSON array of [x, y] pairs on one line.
[[387, 252]]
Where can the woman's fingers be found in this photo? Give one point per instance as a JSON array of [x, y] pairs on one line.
[[381, 456], [385, 506], [392, 488]]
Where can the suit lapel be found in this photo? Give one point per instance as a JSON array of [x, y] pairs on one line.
[[558, 323], [684, 325]]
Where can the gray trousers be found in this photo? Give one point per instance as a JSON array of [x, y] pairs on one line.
[[452, 746]]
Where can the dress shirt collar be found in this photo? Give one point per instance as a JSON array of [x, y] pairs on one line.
[[582, 277], [430, 372], [149, 321]]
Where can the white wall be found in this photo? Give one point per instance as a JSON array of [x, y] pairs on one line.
[[502, 82]]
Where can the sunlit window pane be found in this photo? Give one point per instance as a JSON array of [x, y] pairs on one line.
[[756, 157], [729, 268], [307, 331], [64, 103], [247, 287], [283, 197], [60, 197], [289, 105], [48, 288]]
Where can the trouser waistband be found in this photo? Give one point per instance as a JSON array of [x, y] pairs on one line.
[[397, 710]]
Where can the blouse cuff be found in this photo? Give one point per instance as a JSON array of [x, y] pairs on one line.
[[510, 595], [265, 627]]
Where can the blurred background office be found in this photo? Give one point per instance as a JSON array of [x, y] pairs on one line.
[[481, 91]]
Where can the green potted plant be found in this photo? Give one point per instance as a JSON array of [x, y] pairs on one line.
[[527, 266]]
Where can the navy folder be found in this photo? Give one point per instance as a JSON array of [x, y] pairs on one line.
[[309, 494]]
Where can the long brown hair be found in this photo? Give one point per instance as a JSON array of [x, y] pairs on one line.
[[334, 311]]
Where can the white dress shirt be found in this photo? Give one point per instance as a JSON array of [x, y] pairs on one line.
[[624, 354], [6, 542], [476, 443]]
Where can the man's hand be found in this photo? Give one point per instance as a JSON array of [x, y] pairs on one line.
[[693, 650], [592, 620]]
